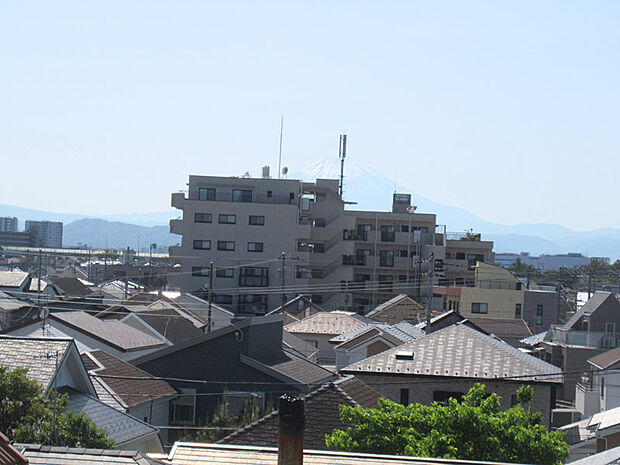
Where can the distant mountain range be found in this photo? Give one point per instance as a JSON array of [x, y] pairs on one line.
[[370, 190]]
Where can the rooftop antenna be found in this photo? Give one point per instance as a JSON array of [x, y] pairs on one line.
[[342, 153], [280, 152]]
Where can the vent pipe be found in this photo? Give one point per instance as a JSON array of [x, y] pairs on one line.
[[291, 413]]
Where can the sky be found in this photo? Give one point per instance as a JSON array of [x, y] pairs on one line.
[[509, 109]]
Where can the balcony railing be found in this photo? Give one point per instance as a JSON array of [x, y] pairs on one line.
[[592, 339]]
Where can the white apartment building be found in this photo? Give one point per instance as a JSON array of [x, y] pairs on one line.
[[8, 223], [49, 233], [253, 228]]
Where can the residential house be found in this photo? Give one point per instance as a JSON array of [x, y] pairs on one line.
[[443, 320], [322, 415], [598, 433], [14, 311], [319, 328], [90, 333], [448, 362], [220, 315], [589, 332], [498, 294], [510, 331], [398, 308], [240, 360], [129, 389], [56, 365], [370, 340], [14, 282], [599, 388], [298, 308]]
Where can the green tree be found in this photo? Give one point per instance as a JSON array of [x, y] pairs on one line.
[[26, 414], [474, 429]]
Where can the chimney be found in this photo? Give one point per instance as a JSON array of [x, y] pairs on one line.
[[291, 440]]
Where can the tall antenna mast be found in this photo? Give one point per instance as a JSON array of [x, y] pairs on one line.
[[280, 153], [342, 153]]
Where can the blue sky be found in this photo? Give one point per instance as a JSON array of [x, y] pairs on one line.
[[507, 109]]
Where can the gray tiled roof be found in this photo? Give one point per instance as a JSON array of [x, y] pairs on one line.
[[52, 455], [36, 354], [322, 415], [118, 425], [167, 322], [459, 351], [403, 331], [113, 332], [12, 278], [295, 367]]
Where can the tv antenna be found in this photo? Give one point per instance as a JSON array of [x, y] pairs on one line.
[[280, 152], [342, 153]]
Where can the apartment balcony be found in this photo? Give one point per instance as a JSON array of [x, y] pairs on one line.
[[591, 339], [176, 226], [178, 200]]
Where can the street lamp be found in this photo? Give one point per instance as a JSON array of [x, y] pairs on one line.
[[411, 210]]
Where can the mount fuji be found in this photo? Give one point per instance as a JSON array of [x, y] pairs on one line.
[[372, 190]]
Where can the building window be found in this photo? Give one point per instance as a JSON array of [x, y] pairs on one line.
[[517, 311], [242, 195], [539, 314], [442, 397], [386, 258], [184, 407], [403, 253], [602, 387], [222, 299], [228, 246], [388, 233], [404, 396], [257, 220], [385, 282], [363, 230], [269, 194], [610, 328], [253, 303], [202, 244], [202, 217], [228, 219], [225, 273], [206, 193], [291, 196], [254, 277], [255, 246], [460, 256], [479, 308], [200, 271]]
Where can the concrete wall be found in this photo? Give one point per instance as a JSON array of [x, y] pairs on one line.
[[549, 301], [501, 303]]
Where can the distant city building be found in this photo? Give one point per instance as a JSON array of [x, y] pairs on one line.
[[252, 228], [546, 262], [20, 239], [8, 223], [48, 232]]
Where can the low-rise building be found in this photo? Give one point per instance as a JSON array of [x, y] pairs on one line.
[[448, 362]]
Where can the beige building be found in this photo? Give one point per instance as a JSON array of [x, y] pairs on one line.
[[253, 228]]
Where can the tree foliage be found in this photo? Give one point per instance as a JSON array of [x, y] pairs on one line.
[[26, 414], [474, 429]]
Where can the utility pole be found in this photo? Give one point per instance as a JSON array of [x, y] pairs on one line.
[[210, 295], [283, 257], [126, 272], [430, 299], [39, 278]]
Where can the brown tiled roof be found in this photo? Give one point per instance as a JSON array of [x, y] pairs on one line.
[[112, 332], [130, 392], [38, 354], [168, 322], [73, 287], [387, 304], [326, 323], [9, 455], [503, 327], [609, 359], [184, 453], [294, 367], [322, 415], [459, 351]]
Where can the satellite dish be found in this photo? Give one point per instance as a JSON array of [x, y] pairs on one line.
[[285, 170]]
